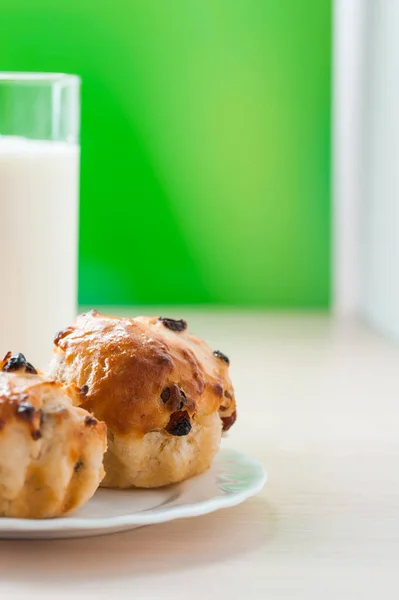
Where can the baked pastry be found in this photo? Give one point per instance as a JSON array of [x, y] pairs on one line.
[[51, 453], [163, 393]]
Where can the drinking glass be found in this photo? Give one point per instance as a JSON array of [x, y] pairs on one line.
[[39, 195]]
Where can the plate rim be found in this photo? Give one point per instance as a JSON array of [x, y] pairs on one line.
[[151, 516]]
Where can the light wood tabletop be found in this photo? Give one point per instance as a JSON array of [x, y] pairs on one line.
[[319, 407]]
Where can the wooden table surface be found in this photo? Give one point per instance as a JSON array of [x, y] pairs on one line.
[[319, 406]]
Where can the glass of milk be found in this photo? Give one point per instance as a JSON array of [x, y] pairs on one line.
[[39, 192]]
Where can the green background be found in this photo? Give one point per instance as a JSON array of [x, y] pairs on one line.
[[205, 144]]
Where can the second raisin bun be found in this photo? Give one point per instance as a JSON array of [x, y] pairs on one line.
[[163, 393], [51, 453]]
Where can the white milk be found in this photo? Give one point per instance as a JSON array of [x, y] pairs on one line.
[[39, 186]]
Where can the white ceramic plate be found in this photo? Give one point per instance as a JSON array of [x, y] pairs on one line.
[[233, 478]]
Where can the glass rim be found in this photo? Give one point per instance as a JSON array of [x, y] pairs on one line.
[[20, 77]]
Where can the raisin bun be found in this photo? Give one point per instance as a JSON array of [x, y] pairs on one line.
[[51, 453], [163, 393]]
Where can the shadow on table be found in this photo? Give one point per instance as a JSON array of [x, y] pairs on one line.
[[153, 549]]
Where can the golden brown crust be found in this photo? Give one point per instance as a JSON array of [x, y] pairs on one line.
[[42, 439], [134, 374]]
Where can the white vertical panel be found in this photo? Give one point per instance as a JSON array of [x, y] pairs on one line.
[[348, 59], [379, 218]]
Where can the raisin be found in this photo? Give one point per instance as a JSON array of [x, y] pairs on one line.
[[229, 421], [61, 334], [179, 424], [84, 389], [17, 362], [218, 389], [173, 324], [183, 400], [5, 359], [174, 396], [90, 421], [222, 356], [78, 465], [26, 410], [165, 395]]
